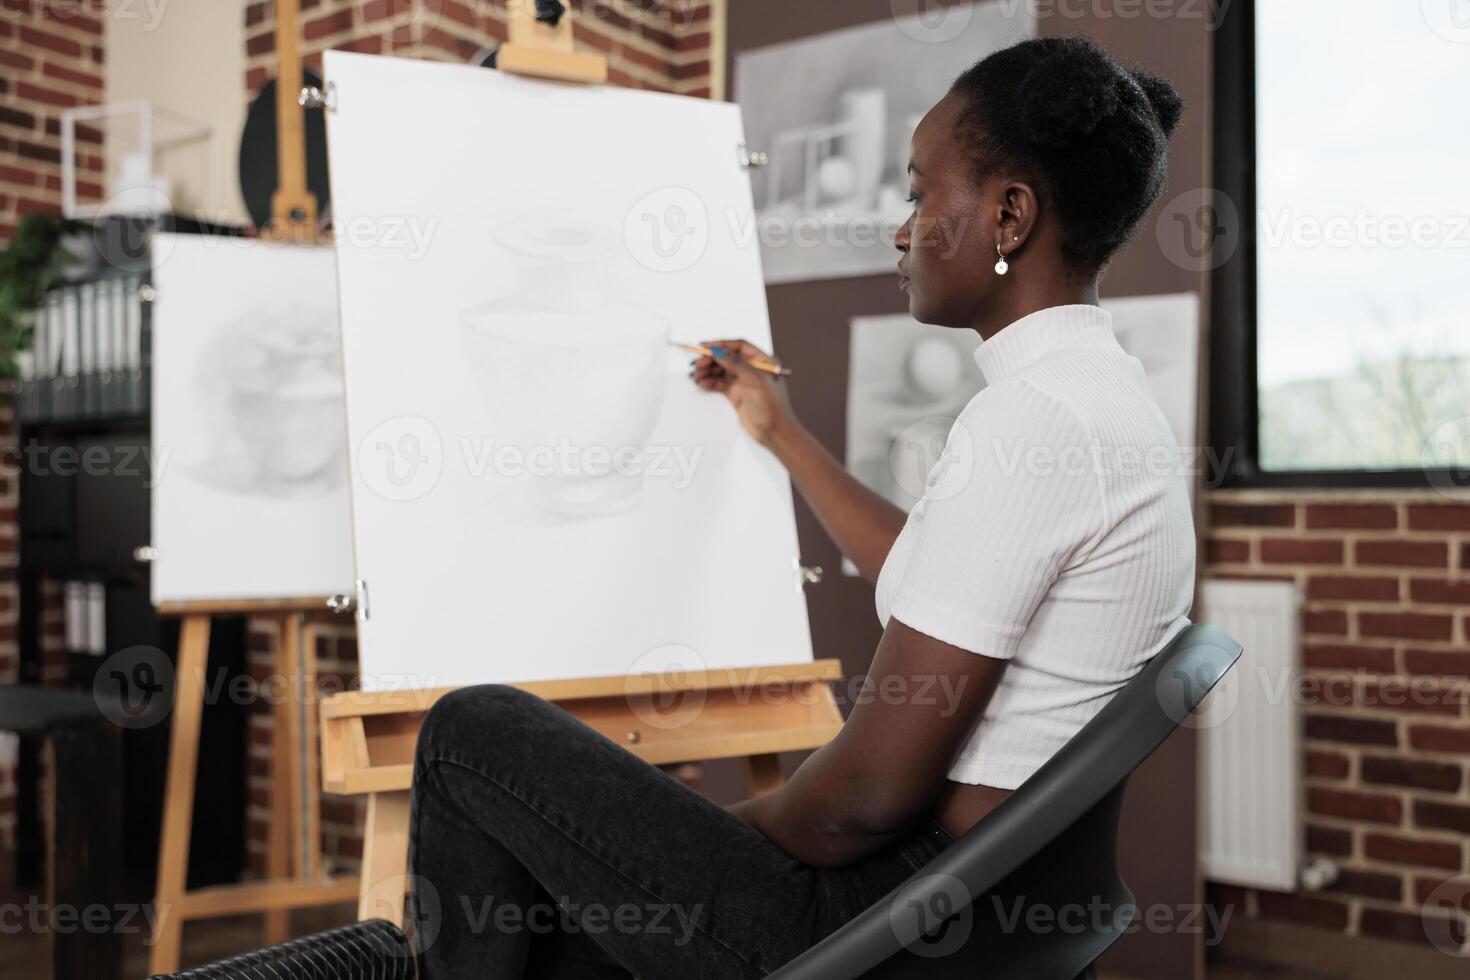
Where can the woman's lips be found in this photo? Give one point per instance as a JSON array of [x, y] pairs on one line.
[[903, 279]]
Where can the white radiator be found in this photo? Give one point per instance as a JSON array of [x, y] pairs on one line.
[[1251, 738]]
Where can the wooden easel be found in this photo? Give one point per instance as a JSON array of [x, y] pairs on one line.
[[295, 876], [294, 856], [293, 206], [752, 714]]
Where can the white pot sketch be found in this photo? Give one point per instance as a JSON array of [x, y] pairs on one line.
[[907, 383], [273, 387], [570, 374]]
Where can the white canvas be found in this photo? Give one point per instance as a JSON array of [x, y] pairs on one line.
[[538, 489], [250, 464]]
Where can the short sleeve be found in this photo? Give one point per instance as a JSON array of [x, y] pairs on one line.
[[1013, 501]]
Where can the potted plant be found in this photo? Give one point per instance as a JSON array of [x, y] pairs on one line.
[[29, 266]]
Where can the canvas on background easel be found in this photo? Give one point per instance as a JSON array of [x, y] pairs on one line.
[[747, 713], [294, 866]]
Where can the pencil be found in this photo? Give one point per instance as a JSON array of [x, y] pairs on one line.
[[759, 363]]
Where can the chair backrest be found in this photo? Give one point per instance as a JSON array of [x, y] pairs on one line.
[[1007, 899]]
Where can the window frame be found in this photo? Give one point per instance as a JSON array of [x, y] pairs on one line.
[[1234, 401]]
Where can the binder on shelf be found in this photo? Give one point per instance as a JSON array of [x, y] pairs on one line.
[[137, 389], [87, 395], [75, 608], [96, 601], [89, 352]]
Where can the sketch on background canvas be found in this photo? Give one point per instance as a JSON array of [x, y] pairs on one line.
[[249, 425], [1163, 331], [908, 382], [538, 490], [834, 114]]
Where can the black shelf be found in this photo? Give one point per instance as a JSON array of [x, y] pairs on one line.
[[81, 521]]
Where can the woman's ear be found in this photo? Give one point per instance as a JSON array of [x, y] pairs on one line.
[[1015, 215]]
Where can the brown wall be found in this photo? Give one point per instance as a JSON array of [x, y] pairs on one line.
[[810, 326]]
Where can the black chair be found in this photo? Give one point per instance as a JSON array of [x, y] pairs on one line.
[[1031, 893]]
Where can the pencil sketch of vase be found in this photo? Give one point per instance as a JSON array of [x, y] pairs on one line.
[[570, 373], [284, 397]]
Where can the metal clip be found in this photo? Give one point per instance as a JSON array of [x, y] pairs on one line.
[[750, 159], [806, 574], [313, 97], [360, 586], [146, 292], [145, 553], [341, 602]]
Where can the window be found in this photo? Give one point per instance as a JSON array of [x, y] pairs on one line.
[[1342, 307]]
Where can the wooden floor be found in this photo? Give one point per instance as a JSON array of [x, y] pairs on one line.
[[23, 957], [1251, 951]]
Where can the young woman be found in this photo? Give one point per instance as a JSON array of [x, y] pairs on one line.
[[1050, 558]]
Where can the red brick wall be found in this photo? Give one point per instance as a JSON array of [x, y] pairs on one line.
[[1386, 577], [341, 817], [50, 60], [649, 45]]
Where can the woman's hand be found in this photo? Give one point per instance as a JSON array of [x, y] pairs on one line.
[[759, 398]]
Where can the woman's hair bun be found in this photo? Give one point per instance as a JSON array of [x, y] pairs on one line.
[[1068, 93], [1090, 135], [1161, 95]]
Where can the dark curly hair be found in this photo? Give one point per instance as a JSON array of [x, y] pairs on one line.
[[1091, 133]]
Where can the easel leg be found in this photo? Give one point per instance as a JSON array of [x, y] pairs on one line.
[[385, 858], [311, 868], [178, 812], [762, 774], [285, 781]]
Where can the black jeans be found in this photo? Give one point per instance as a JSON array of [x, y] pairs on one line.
[[541, 849]]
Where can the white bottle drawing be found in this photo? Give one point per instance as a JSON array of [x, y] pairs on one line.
[[572, 375], [285, 390]]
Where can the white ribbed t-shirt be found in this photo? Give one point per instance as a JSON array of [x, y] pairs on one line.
[[1055, 532]]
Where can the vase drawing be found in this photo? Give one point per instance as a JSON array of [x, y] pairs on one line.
[[570, 373], [284, 390]]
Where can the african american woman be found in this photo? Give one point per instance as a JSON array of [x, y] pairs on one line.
[[1045, 565]]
